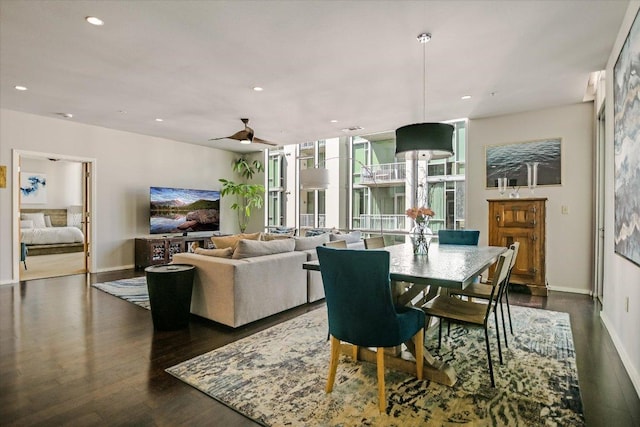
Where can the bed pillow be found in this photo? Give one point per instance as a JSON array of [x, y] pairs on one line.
[[47, 221], [26, 223], [37, 218], [254, 248]]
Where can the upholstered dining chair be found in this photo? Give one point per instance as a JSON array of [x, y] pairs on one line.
[[483, 291], [341, 244], [458, 237], [374, 242], [361, 310], [472, 313]]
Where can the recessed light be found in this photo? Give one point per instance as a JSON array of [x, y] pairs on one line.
[[65, 115], [465, 97], [159, 120], [94, 20], [334, 121], [20, 87], [258, 89]]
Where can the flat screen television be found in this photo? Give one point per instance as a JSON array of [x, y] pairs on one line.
[[182, 210]]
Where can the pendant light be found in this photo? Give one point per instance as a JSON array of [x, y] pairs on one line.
[[424, 141]]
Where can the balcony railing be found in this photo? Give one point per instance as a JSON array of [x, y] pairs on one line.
[[373, 222], [384, 175], [307, 220]]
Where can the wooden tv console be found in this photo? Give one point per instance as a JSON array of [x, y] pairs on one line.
[[159, 249]]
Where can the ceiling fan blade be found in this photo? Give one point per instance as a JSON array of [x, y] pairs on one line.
[[238, 136], [262, 141]]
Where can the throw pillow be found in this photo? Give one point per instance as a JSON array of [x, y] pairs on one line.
[[221, 242], [220, 253], [267, 237], [289, 231], [47, 221], [353, 237], [251, 248], [37, 218], [306, 243]]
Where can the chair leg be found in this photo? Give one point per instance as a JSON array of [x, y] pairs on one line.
[[486, 339], [506, 296], [495, 316], [354, 352], [439, 333], [333, 364], [418, 341], [504, 326], [382, 400]]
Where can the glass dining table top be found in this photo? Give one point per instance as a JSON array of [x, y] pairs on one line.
[[450, 266]]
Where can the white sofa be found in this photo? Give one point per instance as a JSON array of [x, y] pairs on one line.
[[235, 292]]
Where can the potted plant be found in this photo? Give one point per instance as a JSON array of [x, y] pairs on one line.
[[248, 196]]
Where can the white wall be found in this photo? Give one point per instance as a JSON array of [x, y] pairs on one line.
[[127, 164], [64, 182], [621, 276], [569, 237]]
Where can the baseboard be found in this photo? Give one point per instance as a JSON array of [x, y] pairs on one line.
[[626, 360], [570, 290], [122, 267]]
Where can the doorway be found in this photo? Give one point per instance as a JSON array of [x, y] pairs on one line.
[[61, 246]]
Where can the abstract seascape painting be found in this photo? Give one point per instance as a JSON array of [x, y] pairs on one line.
[[626, 139], [33, 187], [510, 161]]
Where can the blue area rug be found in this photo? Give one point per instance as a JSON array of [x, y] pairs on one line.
[[277, 377], [132, 290]]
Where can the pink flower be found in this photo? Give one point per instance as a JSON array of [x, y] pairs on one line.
[[420, 215]]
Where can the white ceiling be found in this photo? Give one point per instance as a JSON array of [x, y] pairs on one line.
[[194, 63]]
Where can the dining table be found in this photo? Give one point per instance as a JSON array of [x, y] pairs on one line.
[[416, 279]]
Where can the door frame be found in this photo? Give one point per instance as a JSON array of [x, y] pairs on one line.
[[599, 202], [89, 186]]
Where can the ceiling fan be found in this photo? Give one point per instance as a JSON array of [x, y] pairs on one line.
[[245, 136]]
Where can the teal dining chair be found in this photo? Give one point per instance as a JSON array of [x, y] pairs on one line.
[[361, 311], [458, 237]]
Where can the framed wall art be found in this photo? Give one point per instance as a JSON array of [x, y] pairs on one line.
[[33, 188], [510, 161], [626, 141]]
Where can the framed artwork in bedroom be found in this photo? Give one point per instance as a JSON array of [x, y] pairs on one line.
[[33, 187]]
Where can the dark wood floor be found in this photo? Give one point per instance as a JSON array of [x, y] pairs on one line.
[[70, 354]]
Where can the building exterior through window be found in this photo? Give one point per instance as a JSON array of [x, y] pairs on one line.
[[368, 189]]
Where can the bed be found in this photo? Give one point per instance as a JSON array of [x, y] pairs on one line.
[[45, 231]]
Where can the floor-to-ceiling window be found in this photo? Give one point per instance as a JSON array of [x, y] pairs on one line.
[[380, 188]]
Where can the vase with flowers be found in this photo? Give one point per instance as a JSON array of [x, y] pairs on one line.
[[420, 234]]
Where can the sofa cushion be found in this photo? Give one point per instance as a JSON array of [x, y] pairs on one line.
[[221, 242], [305, 243], [252, 248], [353, 237], [220, 253]]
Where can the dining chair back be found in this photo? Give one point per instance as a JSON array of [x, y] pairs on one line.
[[342, 244], [361, 310], [374, 242], [472, 313], [458, 237]]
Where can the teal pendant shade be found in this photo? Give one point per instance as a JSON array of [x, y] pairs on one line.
[[424, 141]]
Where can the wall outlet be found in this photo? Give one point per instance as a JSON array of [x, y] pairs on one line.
[[565, 210]]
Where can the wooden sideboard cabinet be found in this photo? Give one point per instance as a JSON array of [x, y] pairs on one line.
[[154, 250], [522, 220]]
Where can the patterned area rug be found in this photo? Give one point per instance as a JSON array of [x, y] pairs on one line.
[[277, 377], [132, 290]]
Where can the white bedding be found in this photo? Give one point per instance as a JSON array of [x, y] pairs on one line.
[[51, 235]]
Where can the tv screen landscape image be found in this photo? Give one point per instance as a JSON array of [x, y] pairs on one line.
[[181, 210]]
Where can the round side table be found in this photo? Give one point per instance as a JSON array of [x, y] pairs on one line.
[[170, 287]]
